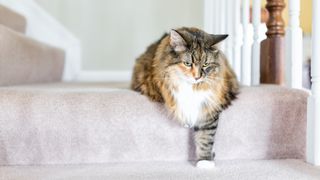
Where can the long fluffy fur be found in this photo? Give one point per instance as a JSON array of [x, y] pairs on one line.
[[157, 74]]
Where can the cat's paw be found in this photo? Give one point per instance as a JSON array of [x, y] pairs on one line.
[[186, 125], [205, 164]]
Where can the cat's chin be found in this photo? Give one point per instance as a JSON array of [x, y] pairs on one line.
[[192, 82]]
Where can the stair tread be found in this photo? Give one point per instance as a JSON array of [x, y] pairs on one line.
[[225, 170], [12, 20]]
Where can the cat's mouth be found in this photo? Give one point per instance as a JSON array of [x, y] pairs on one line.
[[190, 80], [195, 81]]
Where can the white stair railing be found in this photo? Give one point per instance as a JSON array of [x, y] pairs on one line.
[[313, 125], [216, 10], [256, 20], [226, 17], [222, 19], [245, 49], [293, 57], [294, 46], [229, 26], [209, 16], [236, 38]]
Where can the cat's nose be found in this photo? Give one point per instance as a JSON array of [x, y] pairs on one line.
[[197, 78]]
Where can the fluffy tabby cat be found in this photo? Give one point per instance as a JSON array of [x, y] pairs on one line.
[[186, 71]]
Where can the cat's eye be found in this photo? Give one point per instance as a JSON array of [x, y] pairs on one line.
[[205, 64], [187, 64]]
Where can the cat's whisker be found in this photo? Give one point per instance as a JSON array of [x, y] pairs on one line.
[[214, 80]]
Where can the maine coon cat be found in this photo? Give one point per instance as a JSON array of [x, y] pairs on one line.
[[188, 73]]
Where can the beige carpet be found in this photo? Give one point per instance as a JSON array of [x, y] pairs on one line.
[[23, 60], [225, 170], [12, 20], [82, 123]]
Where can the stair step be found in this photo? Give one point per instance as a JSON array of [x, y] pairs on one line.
[[12, 19], [23, 60], [284, 169], [83, 123]]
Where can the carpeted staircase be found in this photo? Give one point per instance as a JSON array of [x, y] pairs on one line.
[[12, 20], [24, 60], [56, 130]]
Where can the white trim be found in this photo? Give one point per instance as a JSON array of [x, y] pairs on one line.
[[104, 76]]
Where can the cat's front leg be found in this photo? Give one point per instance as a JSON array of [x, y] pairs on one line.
[[204, 140]]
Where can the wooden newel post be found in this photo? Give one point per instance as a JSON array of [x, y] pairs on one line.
[[272, 49]]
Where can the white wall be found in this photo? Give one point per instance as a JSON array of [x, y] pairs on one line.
[[114, 32]]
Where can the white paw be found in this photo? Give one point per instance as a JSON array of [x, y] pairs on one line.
[[186, 125], [205, 164]]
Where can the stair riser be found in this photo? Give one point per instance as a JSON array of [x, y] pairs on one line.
[[23, 60]]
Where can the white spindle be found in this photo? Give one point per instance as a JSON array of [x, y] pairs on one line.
[[313, 125], [217, 14], [246, 60], [222, 23], [209, 16], [256, 20], [237, 31], [229, 26], [294, 46], [222, 17]]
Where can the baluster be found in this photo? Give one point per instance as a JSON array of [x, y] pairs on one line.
[[222, 17], [272, 48], [245, 49], [256, 20], [294, 46], [209, 16], [229, 26], [313, 125], [217, 14], [237, 31], [222, 24]]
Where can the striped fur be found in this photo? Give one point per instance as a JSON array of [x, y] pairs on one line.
[[188, 73]]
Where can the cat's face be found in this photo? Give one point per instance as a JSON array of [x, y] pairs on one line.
[[196, 58], [196, 66]]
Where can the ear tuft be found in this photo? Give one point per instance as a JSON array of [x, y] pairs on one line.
[[176, 41], [216, 38]]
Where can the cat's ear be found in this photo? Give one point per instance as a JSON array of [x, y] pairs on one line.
[[176, 41], [216, 38]]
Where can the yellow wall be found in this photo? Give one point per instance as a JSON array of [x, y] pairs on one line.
[[305, 14]]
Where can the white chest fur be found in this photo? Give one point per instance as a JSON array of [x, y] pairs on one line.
[[189, 103]]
